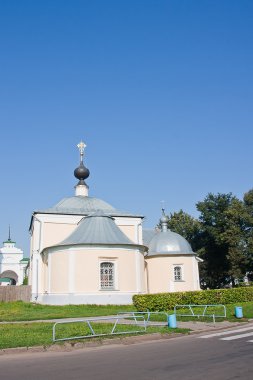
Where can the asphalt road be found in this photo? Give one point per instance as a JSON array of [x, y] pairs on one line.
[[184, 358]]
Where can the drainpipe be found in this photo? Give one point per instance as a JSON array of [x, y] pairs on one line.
[[37, 279], [146, 267], [36, 264]]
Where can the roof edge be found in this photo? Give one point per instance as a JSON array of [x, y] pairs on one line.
[[88, 213], [138, 246], [153, 254]]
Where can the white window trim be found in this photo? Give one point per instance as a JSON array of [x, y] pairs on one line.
[[115, 263], [181, 266]]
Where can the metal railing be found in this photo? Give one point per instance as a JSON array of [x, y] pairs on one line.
[[204, 313], [89, 322], [146, 314]]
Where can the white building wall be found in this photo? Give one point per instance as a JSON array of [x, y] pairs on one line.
[[72, 275], [50, 229], [10, 258]]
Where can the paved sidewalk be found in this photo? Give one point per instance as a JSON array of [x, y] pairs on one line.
[[207, 326]]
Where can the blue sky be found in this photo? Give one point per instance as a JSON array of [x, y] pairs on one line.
[[160, 91]]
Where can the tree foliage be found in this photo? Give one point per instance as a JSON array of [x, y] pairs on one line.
[[248, 202], [223, 218], [222, 237]]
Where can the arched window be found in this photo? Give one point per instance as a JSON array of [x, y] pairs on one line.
[[178, 273], [107, 275]]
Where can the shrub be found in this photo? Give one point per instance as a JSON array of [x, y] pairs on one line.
[[166, 301]]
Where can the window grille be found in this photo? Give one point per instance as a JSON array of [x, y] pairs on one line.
[[107, 275], [177, 273]]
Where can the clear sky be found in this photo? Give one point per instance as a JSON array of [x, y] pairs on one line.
[[161, 91]]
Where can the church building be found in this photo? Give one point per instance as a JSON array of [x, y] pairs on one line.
[[85, 251]]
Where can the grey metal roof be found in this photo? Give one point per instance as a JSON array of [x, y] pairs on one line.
[[97, 229], [168, 242], [79, 205], [147, 235]]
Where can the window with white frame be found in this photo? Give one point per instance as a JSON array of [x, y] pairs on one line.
[[178, 273], [107, 275]]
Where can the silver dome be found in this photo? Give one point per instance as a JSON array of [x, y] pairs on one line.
[[169, 243]]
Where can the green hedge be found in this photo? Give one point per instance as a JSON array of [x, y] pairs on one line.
[[166, 301]]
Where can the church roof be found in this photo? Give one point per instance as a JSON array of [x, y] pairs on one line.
[[80, 205], [169, 243], [5, 279], [97, 228]]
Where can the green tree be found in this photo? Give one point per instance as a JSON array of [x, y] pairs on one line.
[[224, 222], [248, 203]]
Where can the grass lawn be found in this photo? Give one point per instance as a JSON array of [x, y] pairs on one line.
[[22, 311], [247, 308], [37, 334], [34, 334]]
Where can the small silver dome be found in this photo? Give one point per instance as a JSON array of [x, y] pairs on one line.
[[169, 243]]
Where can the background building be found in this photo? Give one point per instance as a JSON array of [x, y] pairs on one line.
[[13, 266]]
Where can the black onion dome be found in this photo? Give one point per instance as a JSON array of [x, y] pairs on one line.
[[81, 172]]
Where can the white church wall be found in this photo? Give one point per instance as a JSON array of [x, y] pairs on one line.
[[86, 269], [129, 231], [131, 228], [50, 229], [74, 274], [54, 228], [58, 272], [160, 274]]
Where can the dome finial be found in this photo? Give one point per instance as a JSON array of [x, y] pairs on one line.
[[9, 238], [164, 219], [81, 146], [81, 172]]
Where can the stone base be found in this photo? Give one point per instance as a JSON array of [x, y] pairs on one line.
[[83, 299]]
